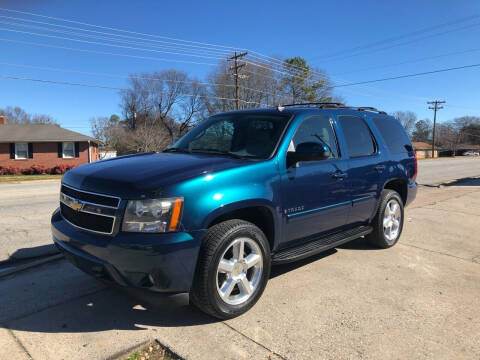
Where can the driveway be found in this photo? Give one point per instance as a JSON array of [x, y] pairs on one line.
[[418, 300]]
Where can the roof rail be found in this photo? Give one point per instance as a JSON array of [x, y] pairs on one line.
[[321, 105], [367, 108], [332, 105]]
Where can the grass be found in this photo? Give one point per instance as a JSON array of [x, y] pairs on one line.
[[152, 351], [22, 178]]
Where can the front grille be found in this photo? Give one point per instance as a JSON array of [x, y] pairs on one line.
[[89, 211], [87, 221], [91, 197]]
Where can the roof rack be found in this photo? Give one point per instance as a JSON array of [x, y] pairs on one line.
[[333, 105], [321, 105]]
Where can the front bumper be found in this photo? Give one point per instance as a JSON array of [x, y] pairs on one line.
[[160, 262]]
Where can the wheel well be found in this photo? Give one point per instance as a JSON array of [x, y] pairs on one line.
[[261, 216], [400, 186]]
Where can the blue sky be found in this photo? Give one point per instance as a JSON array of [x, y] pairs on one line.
[[311, 29]]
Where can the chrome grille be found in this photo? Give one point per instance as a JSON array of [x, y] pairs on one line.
[[89, 211]]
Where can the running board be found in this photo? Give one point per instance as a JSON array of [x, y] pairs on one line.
[[316, 246]]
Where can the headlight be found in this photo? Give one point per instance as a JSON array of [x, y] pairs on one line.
[[153, 215]]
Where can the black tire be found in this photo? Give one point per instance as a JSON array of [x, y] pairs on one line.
[[377, 237], [217, 240]]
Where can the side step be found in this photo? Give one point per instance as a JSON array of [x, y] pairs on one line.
[[316, 246]]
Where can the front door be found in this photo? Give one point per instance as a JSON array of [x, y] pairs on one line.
[[315, 196]]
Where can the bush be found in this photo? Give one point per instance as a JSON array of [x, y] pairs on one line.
[[39, 169], [9, 170], [61, 169], [36, 170]]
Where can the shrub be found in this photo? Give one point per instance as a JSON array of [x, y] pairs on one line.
[[9, 170], [39, 169], [61, 169]]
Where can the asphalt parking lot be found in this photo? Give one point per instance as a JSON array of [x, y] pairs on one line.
[[418, 300]]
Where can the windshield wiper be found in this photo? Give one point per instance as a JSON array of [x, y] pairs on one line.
[[217, 152]]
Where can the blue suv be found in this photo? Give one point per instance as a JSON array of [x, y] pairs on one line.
[[241, 191]]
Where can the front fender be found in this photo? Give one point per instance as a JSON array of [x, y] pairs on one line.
[[212, 195]]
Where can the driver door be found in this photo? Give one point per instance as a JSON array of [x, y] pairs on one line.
[[315, 195]]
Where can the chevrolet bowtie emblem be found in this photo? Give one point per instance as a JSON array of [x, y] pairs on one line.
[[75, 205]]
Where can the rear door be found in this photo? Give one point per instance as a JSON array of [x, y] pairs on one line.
[[364, 167]]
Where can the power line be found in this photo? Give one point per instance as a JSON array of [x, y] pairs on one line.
[[168, 43], [109, 45], [119, 30], [396, 38], [47, 68], [213, 46], [411, 61], [406, 76], [108, 53], [68, 83]]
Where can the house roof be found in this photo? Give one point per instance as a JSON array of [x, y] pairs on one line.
[[40, 133], [418, 145]]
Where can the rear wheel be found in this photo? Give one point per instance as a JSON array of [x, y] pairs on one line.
[[388, 222], [233, 269]]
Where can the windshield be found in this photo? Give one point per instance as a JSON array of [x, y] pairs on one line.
[[237, 135]]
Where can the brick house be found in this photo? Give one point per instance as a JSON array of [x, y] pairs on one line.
[[424, 150], [24, 145]]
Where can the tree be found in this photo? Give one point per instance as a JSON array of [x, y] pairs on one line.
[[264, 84], [449, 135], [422, 130], [301, 83], [158, 108], [407, 119], [16, 115]]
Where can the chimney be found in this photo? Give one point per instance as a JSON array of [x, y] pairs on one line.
[[3, 120]]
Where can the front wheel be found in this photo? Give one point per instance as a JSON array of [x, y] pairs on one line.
[[388, 222], [233, 269]]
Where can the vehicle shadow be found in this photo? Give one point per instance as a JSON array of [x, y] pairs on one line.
[[99, 308]]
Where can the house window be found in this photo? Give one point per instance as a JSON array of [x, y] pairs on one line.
[[21, 151], [68, 150]]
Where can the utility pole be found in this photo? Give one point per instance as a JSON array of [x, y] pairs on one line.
[[236, 66], [435, 107]]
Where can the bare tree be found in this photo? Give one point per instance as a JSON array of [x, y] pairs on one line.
[[407, 119], [16, 115]]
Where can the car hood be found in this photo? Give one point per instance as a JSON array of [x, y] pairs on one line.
[[145, 174]]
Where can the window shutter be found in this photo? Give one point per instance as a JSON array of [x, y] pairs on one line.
[[77, 149], [12, 151], [30, 150], [60, 150]]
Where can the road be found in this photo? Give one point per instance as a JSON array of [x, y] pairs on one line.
[[440, 170], [418, 300]]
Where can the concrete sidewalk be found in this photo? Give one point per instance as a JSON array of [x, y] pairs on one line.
[[418, 300]]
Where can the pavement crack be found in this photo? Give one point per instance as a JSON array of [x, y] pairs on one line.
[[440, 253], [254, 341], [19, 343]]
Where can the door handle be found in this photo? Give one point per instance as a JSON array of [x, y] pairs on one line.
[[339, 175], [380, 168]]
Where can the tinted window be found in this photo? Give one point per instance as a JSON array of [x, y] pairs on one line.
[[393, 134], [317, 129], [357, 135], [239, 135]]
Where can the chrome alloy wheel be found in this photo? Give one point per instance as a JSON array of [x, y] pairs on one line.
[[239, 271], [392, 219]]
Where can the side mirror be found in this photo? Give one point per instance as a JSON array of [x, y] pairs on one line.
[[308, 151]]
